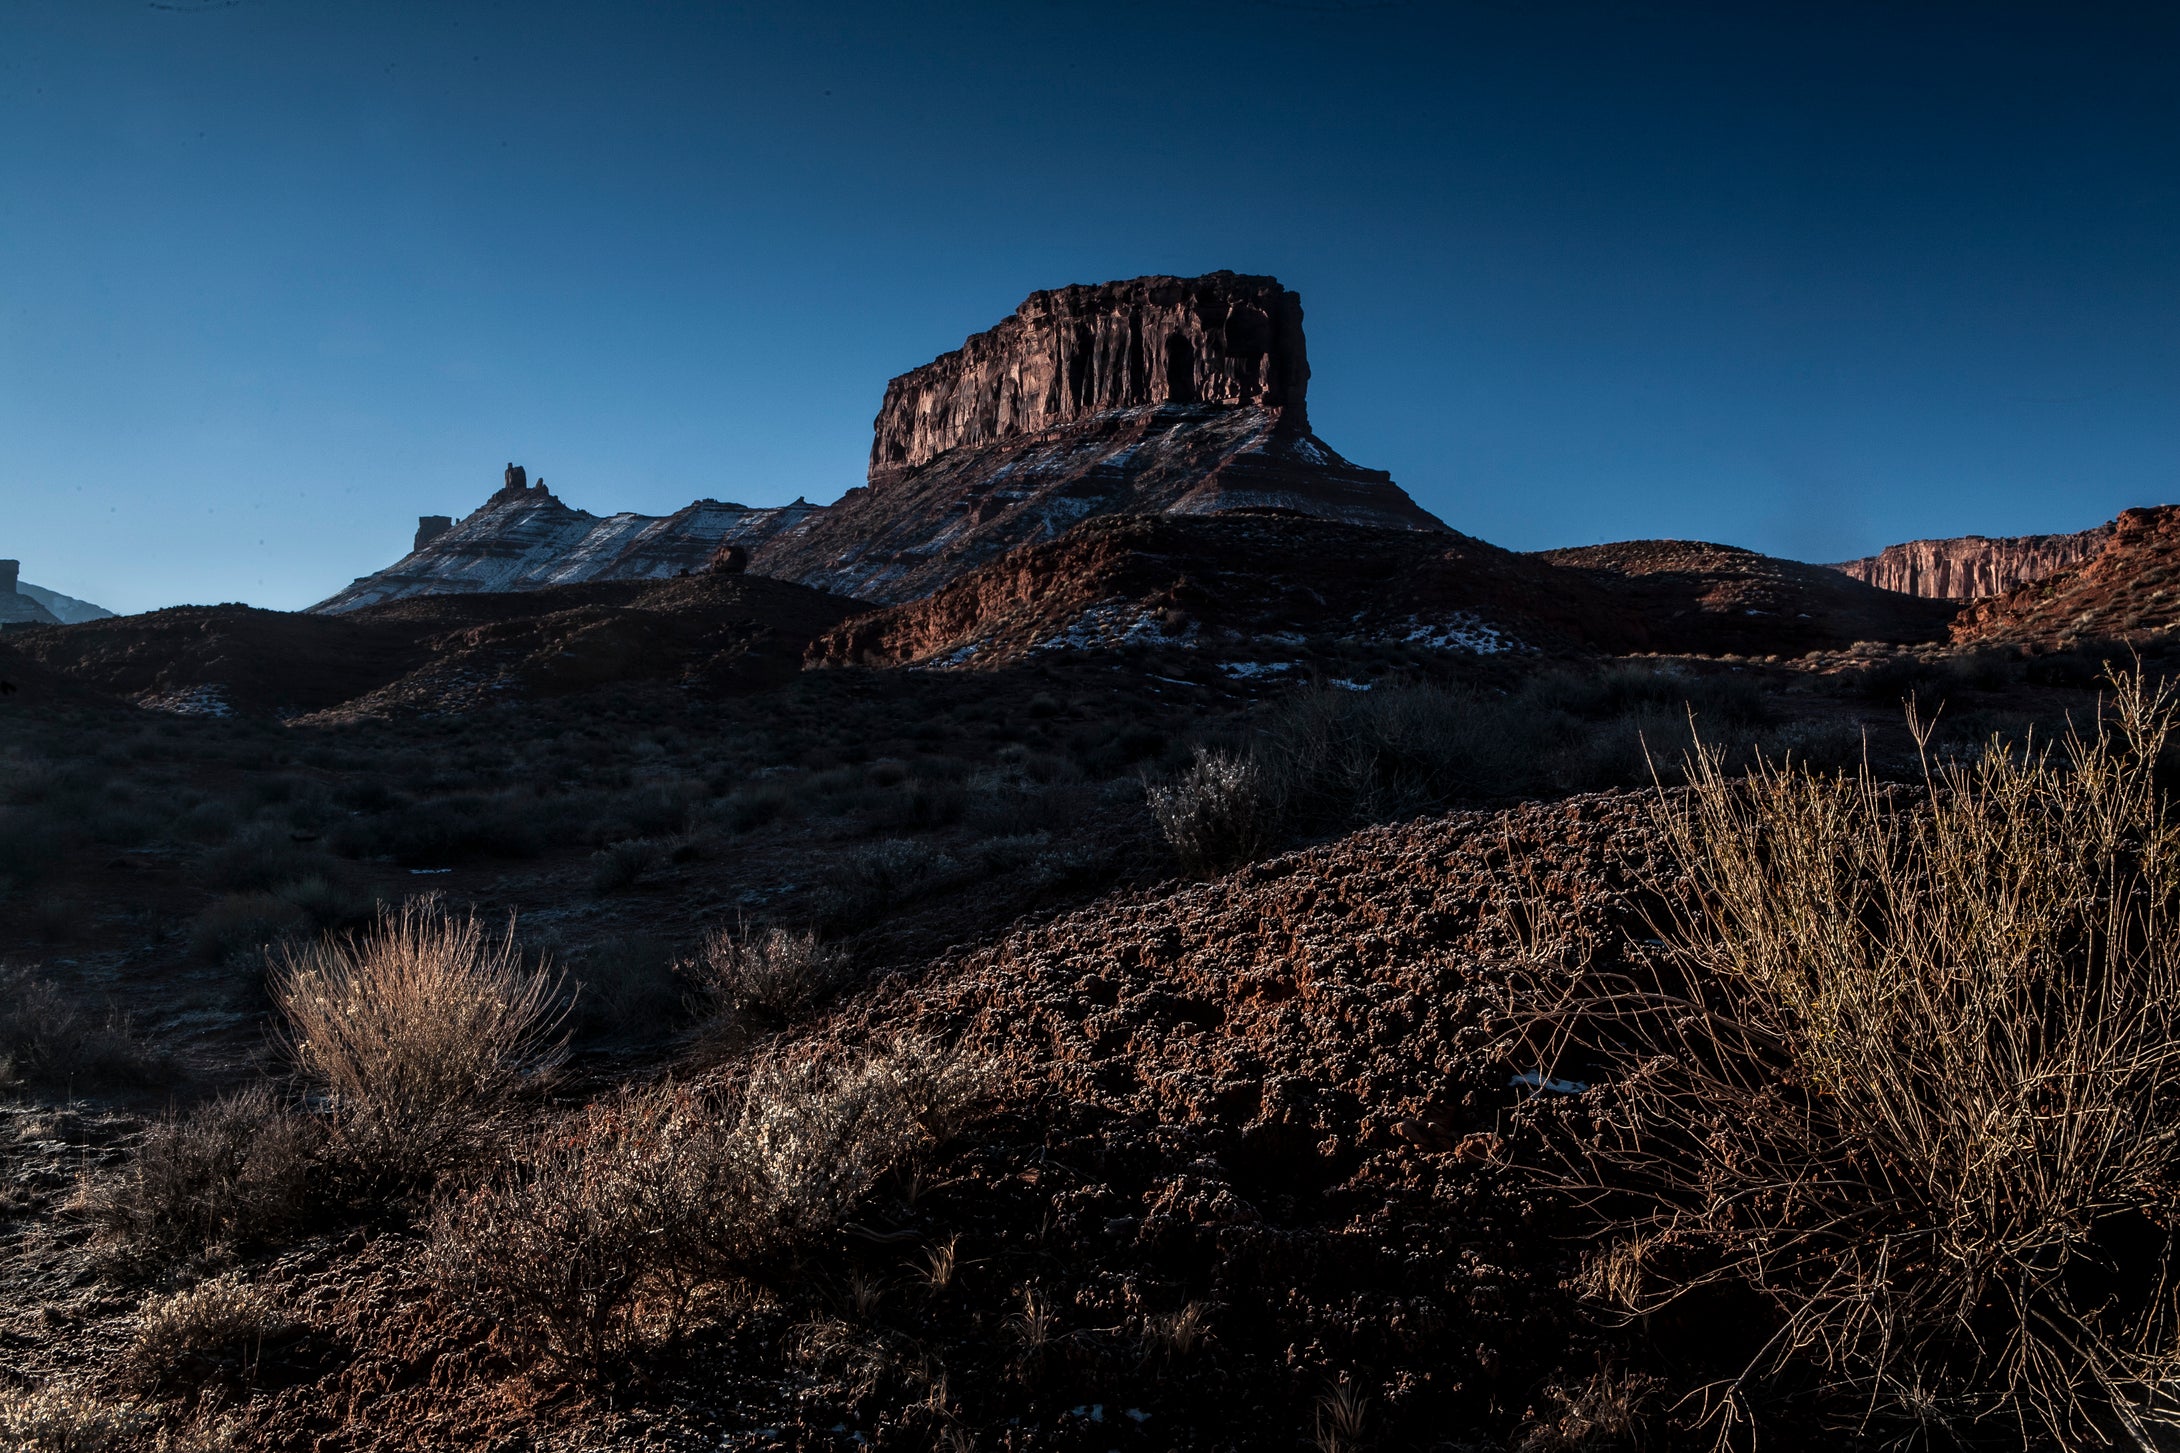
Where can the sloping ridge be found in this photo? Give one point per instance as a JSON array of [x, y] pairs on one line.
[[442, 653], [1737, 601], [1255, 577]]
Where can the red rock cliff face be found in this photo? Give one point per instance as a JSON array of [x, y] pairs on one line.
[[1972, 567], [1075, 352], [1157, 395], [2128, 590]]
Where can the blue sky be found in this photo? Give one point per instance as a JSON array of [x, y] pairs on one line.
[[277, 276]]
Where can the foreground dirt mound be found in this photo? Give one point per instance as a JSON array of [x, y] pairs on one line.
[[1258, 579], [443, 652], [2128, 591], [1720, 599], [1275, 1097]]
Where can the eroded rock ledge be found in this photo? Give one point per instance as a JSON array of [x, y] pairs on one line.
[[1071, 353]]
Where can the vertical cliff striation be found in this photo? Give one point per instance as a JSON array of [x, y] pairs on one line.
[[1070, 354], [1973, 567]]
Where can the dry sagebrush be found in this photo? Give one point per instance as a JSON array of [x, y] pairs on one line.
[[228, 1176], [419, 1032], [747, 981], [603, 1231], [1910, 1069]]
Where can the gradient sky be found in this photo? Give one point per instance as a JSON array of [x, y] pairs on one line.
[[277, 276]]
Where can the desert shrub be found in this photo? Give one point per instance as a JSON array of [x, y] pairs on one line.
[[599, 1236], [750, 981], [885, 875], [1909, 1071], [1218, 813], [628, 989], [755, 805], [57, 1419], [244, 924], [458, 828], [232, 1174], [1335, 757], [1606, 1410], [215, 1329], [263, 857], [660, 810], [919, 804], [49, 1037], [1631, 688], [30, 845], [331, 899], [1640, 746], [624, 864], [419, 1032]]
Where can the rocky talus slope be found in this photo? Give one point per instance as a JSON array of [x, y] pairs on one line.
[[1974, 567], [2129, 590], [524, 538]]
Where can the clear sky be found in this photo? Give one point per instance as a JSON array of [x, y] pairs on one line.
[[277, 276]]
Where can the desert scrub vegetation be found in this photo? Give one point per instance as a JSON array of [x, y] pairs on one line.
[[1907, 1068], [57, 1419], [227, 1177], [419, 1032], [50, 1039], [749, 981], [215, 1330], [1328, 758], [601, 1234], [1222, 810]]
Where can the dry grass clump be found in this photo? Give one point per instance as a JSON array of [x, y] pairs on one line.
[[50, 1038], [420, 1031], [227, 1176], [1911, 1072], [1605, 1411], [1220, 812], [749, 981], [601, 1234], [216, 1329], [58, 1419]]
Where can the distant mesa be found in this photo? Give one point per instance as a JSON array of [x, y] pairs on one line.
[[1973, 567], [1157, 395], [23, 604]]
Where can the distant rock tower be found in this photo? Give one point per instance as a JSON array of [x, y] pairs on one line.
[[10, 572], [430, 528]]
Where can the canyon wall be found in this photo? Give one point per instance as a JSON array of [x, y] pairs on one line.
[[1973, 567]]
